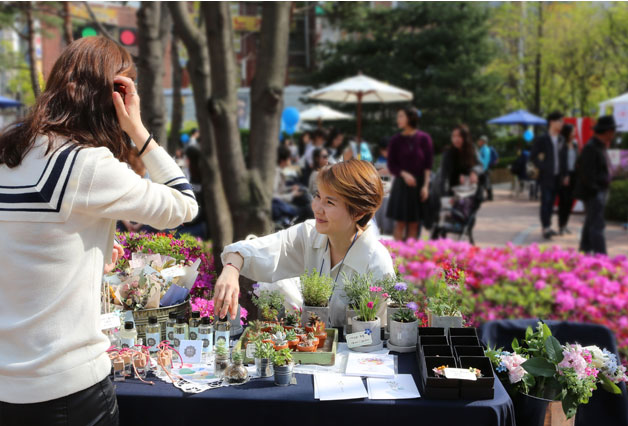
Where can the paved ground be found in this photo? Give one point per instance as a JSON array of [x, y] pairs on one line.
[[516, 219]]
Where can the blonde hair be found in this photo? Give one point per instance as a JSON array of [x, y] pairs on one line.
[[358, 184]]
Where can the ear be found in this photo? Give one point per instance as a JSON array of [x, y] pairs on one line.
[[358, 217]]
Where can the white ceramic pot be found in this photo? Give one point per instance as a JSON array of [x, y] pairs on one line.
[[403, 333], [445, 322], [374, 328], [390, 312]]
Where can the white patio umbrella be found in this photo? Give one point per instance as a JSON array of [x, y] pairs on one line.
[[361, 89], [320, 113]]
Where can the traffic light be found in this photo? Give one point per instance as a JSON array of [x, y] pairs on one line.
[[128, 37]]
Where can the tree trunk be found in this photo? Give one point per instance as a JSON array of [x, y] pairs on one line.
[[176, 120], [216, 206], [30, 24], [245, 195], [67, 23], [152, 26], [537, 65], [267, 96]]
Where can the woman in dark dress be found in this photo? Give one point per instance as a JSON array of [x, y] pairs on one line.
[[410, 155], [459, 161]]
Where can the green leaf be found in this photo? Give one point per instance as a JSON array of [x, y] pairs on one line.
[[515, 344], [529, 333], [546, 331], [554, 349], [539, 367], [609, 386], [529, 380], [570, 405]]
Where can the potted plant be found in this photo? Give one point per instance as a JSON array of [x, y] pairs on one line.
[[367, 320], [277, 328], [312, 322], [263, 359], [403, 328], [308, 344], [355, 288], [544, 376], [279, 341], [446, 297], [293, 319], [398, 294], [283, 365], [221, 361], [316, 290], [266, 337], [236, 373], [292, 339], [301, 333], [270, 304]]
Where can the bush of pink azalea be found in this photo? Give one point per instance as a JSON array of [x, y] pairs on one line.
[[525, 282]]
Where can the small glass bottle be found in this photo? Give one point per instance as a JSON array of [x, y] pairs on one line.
[[140, 362], [119, 373], [128, 335], [153, 334], [180, 331], [222, 329], [195, 321], [206, 334], [170, 323]]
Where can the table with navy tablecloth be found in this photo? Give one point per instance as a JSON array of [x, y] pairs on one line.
[[261, 402]]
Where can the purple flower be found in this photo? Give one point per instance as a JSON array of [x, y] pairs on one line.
[[255, 286], [401, 286], [412, 306]]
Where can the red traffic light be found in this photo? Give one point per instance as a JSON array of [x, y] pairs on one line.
[[128, 36]]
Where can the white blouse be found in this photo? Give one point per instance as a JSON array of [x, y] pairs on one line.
[[291, 252]]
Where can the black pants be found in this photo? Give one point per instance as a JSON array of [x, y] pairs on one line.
[[548, 196], [485, 183], [96, 405], [592, 239], [565, 203]]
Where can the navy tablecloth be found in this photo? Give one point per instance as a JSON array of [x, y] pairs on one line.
[[261, 402]]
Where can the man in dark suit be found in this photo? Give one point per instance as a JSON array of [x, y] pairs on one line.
[[544, 156], [594, 178]]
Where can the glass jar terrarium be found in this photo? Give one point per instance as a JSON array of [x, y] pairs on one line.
[[236, 373]]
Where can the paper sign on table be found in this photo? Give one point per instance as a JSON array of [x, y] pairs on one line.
[[250, 351], [111, 320], [191, 351], [371, 365], [331, 387], [460, 373], [401, 387], [355, 340]]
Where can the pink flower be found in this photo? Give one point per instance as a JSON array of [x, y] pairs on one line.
[[513, 365], [385, 295], [370, 305]]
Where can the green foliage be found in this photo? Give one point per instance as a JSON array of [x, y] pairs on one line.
[[316, 288], [236, 356], [447, 294], [399, 297], [439, 51], [356, 287], [282, 357], [293, 318], [617, 204], [404, 315], [291, 335], [264, 350], [269, 303], [221, 349]]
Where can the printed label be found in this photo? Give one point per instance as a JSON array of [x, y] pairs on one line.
[[152, 340], [177, 340], [224, 336], [170, 334], [193, 333], [208, 342], [127, 343]]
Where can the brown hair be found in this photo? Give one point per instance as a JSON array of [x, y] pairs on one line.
[[77, 103], [358, 184], [468, 157]]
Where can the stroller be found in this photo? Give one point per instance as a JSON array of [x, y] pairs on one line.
[[460, 219]]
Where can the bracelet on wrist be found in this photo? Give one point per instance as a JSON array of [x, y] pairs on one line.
[[233, 266], [145, 145]]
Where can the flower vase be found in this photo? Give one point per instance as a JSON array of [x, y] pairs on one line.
[[533, 411], [370, 327], [404, 334], [445, 322]]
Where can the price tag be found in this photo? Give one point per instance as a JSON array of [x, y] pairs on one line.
[[460, 373], [191, 351], [250, 351], [108, 321], [361, 338]]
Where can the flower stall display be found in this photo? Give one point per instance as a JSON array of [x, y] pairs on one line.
[[399, 296], [316, 290], [541, 371], [445, 297], [367, 321], [523, 282]]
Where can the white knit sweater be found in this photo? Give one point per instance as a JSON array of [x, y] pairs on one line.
[[57, 219]]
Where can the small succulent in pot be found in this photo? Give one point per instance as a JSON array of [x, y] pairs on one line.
[[279, 340], [282, 357], [264, 350], [266, 337], [293, 340], [293, 318], [309, 344], [222, 358], [277, 328], [282, 361], [404, 315], [236, 373], [314, 323], [256, 326]]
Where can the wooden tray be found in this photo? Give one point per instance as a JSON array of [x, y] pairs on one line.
[[323, 356]]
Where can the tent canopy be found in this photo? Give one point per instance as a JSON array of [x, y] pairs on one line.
[[323, 113], [361, 89], [622, 99], [8, 103], [519, 117]]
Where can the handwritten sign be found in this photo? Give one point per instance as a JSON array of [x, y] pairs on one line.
[[108, 321], [460, 373], [355, 340]]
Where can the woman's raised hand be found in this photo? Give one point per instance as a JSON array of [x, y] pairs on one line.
[[128, 110]]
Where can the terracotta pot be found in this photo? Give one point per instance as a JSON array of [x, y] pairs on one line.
[[316, 341], [288, 327], [278, 348], [302, 348], [267, 341], [309, 329], [267, 329], [301, 337], [293, 344], [321, 339]]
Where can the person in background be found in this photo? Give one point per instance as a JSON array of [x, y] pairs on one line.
[[307, 162], [487, 160], [334, 144], [304, 142], [410, 157], [194, 135], [459, 161], [381, 163], [321, 159], [544, 155], [594, 178], [568, 157]]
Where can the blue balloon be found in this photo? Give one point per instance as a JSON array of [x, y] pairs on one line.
[[528, 135], [282, 129], [185, 138], [290, 130], [290, 116]]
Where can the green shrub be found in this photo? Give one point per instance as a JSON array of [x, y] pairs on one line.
[[617, 205]]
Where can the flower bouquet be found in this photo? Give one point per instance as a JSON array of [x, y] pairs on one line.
[[446, 298], [541, 370]]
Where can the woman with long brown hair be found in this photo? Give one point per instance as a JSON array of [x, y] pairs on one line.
[[459, 160], [63, 184]]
